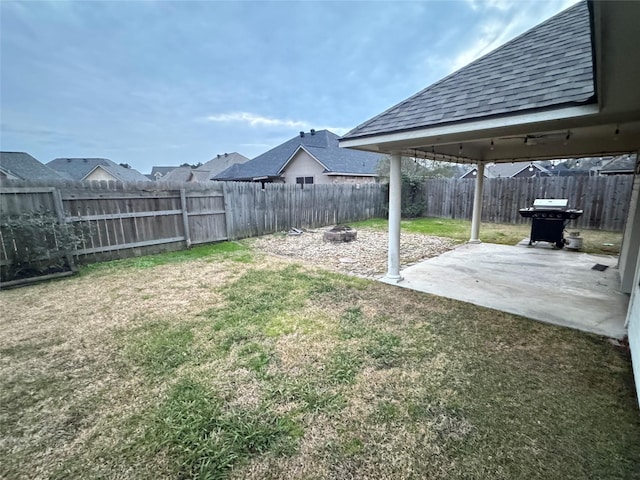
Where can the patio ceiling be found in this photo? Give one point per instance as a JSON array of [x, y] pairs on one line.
[[607, 124]]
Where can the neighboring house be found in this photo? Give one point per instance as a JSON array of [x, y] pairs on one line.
[[309, 158], [22, 166], [89, 169], [510, 170], [622, 165], [220, 163], [181, 175], [158, 172], [562, 170], [205, 172]]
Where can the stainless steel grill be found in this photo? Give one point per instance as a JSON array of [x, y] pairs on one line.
[[549, 217]]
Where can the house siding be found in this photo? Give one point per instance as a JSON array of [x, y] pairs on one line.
[[100, 174], [304, 165]]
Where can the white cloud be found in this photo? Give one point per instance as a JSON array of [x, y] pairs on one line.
[[490, 4], [255, 120]]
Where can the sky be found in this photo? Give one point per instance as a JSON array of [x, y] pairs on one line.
[[170, 82]]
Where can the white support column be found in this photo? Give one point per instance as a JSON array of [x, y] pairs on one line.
[[477, 204], [395, 200]]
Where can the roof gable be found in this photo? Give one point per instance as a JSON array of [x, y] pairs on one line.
[[548, 66], [295, 153], [97, 168]]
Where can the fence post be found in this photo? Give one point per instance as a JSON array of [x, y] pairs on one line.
[[227, 219], [185, 217]]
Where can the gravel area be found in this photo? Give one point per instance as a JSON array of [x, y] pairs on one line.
[[365, 257]]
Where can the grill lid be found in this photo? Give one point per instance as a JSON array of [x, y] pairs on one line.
[[550, 204]]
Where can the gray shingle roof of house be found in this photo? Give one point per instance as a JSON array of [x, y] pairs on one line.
[[623, 163], [180, 174], [79, 168], [547, 66], [323, 145], [161, 170], [186, 174], [25, 167], [510, 169], [507, 170], [221, 162]]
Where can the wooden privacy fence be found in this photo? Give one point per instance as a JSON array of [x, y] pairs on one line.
[[115, 220], [254, 211], [120, 220], [605, 199]]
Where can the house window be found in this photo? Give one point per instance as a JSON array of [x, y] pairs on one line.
[[304, 180]]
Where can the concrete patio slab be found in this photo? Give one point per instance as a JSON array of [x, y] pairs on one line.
[[549, 285]]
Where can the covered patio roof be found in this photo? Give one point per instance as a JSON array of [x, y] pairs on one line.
[[566, 88]]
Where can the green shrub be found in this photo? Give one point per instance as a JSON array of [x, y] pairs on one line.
[[412, 203], [36, 244]]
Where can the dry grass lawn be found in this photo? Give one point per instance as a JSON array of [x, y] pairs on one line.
[[226, 363]]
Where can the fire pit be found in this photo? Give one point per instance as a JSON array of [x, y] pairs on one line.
[[340, 233]]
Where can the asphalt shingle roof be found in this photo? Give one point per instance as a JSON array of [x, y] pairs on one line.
[[78, 168], [180, 174], [25, 167], [623, 163], [323, 145], [161, 170], [549, 65], [508, 170], [221, 162]]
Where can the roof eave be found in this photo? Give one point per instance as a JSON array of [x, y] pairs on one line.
[[351, 174], [445, 133]]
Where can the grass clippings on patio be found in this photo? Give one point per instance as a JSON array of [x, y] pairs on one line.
[[594, 241], [225, 363]]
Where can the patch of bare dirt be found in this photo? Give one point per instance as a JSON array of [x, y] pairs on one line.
[[364, 257]]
